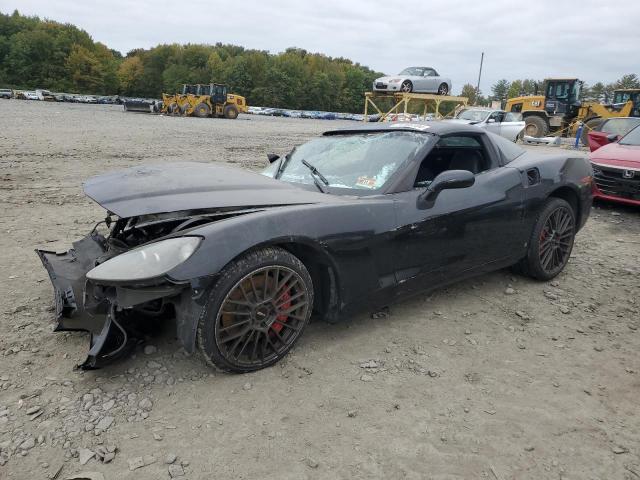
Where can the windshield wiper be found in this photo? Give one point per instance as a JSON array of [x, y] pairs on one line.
[[283, 163], [315, 175]]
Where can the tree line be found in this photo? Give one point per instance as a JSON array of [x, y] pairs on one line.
[[37, 53], [504, 89]]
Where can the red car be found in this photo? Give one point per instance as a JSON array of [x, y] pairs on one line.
[[616, 169], [611, 130]]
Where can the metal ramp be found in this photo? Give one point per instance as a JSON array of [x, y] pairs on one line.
[[401, 102]]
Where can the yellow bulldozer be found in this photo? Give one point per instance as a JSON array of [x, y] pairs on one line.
[[560, 111], [204, 100]]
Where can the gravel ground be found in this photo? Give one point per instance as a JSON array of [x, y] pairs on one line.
[[499, 377]]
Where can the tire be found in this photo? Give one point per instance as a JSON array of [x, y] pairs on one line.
[[443, 89], [202, 110], [230, 112], [183, 109], [242, 327], [535, 126], [173, 109], [589, 125], [550, 247], [406, 86]]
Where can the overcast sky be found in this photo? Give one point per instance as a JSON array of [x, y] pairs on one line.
[[552, 39]]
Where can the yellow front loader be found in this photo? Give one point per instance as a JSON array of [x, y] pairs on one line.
[[208, 100], [560, 112]]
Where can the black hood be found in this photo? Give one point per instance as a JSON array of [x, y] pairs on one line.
[[189, 186]]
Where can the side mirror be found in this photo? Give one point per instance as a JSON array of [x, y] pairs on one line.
[[612, 137], [272, 157], [448, 179], [491, 120]]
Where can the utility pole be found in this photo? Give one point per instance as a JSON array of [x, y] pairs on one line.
[[479, 76]]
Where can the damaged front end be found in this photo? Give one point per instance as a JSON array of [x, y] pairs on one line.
[[115, 310]]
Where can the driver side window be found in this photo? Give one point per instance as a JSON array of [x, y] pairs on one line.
[[496, 117], [429, 72], [453, 153]]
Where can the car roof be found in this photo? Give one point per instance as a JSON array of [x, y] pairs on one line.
[[483, 109], [434, 127]]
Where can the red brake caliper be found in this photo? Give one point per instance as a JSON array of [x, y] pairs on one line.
[[282, 318]]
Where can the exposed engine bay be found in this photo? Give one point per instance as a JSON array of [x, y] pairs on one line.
[[116, 315]]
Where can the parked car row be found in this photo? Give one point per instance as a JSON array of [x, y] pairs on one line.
[[46, 95], [317, 115]]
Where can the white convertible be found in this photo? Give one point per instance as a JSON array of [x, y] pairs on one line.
[[414, 79]]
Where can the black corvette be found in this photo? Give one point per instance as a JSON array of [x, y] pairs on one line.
[[354, 219]]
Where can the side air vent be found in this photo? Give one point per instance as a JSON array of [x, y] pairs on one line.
[[533, 177]]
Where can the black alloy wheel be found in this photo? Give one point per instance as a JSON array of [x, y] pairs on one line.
[[551, 241], [556, 240], [257, 311]]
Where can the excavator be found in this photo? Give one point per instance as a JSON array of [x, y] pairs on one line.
[[560, 109]]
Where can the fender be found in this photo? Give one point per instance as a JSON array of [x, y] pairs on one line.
[[353, 239]]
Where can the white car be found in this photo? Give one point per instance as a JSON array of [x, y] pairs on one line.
[[507, 124], [31, 96], [414, 79]]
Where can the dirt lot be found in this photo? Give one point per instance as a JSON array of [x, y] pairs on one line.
[[499, 377]]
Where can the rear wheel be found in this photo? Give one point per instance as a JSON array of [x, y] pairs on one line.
[[230, 112], [202, 110], [535, 126], [443, 89], [551, 241], [173, 109], [406, 87], [256, 311], [591, 124]]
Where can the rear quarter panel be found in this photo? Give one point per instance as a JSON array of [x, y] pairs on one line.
[[557, 173]]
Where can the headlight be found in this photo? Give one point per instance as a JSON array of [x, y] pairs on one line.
[[395, 80], [148, 261]]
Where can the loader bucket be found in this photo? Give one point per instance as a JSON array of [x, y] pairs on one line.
[[138, 106]]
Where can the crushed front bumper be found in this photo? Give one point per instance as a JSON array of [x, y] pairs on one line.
[[104, 312]]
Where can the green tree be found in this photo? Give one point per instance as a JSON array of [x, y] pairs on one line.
[[596, 92], [84, 69], [469, 91], [515, 89], [627, 81], [500, 90], [130, 74]]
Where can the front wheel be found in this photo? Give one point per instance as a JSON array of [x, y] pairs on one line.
[[230, 112], [256, 311], [443, 89], [551, 241], [406, 87], [535, 126], [202, 110]]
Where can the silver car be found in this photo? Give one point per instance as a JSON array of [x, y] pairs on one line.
[[414, 79], [507, 124]]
